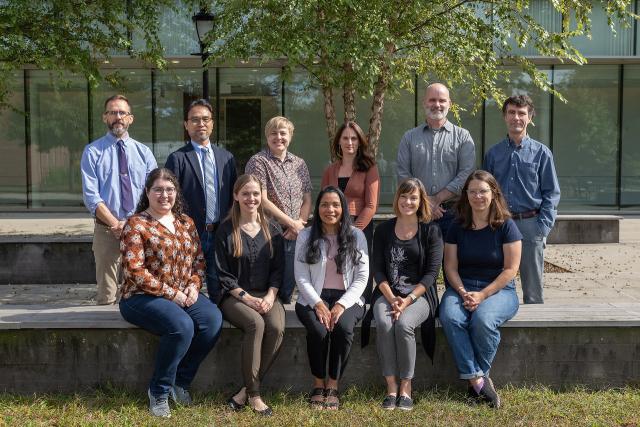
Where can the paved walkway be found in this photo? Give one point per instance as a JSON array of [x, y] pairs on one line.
[[598, 273]]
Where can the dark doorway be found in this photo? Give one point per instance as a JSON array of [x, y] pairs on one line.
[[243, 129]]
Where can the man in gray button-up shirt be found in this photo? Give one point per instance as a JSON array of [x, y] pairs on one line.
[[438, 153]]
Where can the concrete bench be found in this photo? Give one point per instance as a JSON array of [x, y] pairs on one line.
[[73, 348]]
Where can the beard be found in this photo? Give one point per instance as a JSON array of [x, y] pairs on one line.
[[434, 114], [118, 128]]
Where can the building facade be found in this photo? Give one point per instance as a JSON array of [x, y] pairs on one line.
[[594, 135]]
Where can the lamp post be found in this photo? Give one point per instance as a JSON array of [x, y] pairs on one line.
[[204, 23]]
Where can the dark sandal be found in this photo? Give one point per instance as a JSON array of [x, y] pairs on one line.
[[332, 392], [235, 406], [318, 391]]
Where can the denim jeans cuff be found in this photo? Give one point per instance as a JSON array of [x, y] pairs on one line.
[[471, 376]]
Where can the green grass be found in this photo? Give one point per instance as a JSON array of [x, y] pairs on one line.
[[537, 406]]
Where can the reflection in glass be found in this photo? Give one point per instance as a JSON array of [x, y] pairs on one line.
[[59, 132], [177, 32], [630, 168], [13, 165], [174, 90], [603, 41], [249, 97], [585, 136]]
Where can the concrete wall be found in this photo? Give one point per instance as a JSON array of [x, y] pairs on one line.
[[71, 360]]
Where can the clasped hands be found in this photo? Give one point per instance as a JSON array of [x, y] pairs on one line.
[[327, 317], [471, 300], [186, 298], [261, 305], [398, 304]]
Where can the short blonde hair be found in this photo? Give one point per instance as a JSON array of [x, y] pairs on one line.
[[276, 123]]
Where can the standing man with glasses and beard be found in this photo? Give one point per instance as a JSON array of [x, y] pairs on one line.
[[206, 174], [438, 153], [114, 169]]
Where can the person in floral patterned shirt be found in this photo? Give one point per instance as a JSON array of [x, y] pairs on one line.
[[164, 270]]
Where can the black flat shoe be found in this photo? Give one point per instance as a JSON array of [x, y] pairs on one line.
[[232, 404], [267, 412]]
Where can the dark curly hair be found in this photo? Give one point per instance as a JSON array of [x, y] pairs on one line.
[[364, 159], [166, 174], [347, 242]]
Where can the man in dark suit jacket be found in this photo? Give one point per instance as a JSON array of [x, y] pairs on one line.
[[206, 174]]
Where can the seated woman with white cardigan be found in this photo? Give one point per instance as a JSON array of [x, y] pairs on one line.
[[331, 268]]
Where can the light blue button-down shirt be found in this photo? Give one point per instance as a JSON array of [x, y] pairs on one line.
[[199, 150], [101, 175], [527, 177]]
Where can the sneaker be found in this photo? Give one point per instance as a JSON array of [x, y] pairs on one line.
[[489, 394], [158, 406], [180, 396], [389, 402], [405, 403]]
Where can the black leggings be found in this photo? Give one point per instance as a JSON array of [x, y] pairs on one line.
[[321, 342]]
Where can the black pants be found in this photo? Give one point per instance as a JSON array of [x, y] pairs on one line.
[[322, 343]]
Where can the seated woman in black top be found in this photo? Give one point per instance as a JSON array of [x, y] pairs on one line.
[[407, 252], [249, 258], [481, 259]]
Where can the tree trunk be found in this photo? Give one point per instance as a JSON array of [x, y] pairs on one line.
[[329, 114], [375, 120], [349, 95]]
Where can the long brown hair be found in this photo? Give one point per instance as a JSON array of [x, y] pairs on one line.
[[162, 173], [364, 159], [498, 211], [408, 186], [234, 214]]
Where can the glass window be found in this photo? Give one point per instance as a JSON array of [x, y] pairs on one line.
[[174, 90], [249, 97], [603, 42], [304, 106], [585, 136], [543, 12], [59, 132], [520, 84], [136, 86], [13, 163], [177, 33], [630, 168]]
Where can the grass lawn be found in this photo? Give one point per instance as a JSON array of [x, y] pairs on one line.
[[536, 406]]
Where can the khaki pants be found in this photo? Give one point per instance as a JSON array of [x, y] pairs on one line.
[[106, 251]]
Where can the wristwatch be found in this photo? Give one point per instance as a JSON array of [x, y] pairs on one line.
[[413, 297], [242, 294]]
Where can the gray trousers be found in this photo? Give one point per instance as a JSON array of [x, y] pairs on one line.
[[532, 260], [396, 341]]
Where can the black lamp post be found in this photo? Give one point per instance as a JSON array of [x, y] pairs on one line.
[[204, 24]]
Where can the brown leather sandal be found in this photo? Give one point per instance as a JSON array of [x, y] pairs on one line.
[[319, 403]]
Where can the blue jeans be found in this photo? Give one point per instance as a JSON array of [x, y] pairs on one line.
[[288, 279], [532, 260], [208, 241], [187, 335], [474, 336]]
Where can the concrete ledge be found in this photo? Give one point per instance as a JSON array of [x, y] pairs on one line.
[[75, 348], [579, 229]]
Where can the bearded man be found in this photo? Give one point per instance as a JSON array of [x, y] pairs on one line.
[[438, 153]]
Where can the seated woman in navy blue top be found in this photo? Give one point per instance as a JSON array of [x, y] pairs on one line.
[[481, 259]]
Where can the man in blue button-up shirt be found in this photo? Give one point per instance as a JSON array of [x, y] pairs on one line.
[[525, 171], [106, 191]]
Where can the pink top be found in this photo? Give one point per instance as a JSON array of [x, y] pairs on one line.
[[332, 279]]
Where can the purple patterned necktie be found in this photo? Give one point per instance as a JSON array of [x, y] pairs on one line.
[[125, 181]]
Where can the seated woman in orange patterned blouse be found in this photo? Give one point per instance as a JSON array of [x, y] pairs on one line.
[[164, 270]]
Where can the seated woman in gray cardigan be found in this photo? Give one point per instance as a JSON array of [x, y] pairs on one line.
[[331, 268]]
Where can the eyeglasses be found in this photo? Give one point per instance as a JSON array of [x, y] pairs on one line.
[[159, 190], [197, 120], [476, 193], [118, 113]]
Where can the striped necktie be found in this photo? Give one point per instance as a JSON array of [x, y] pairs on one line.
[[209, 169]]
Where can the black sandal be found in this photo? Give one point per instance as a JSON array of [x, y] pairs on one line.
[[235, 406], [318, 391], [332, 392]]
